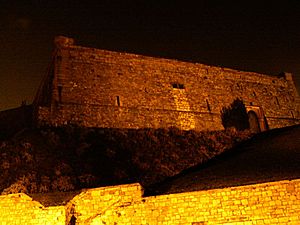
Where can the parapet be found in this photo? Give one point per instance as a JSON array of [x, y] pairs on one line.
[[61, 41], [287, 76]]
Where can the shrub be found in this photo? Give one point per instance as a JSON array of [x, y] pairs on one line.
[[235, 116]]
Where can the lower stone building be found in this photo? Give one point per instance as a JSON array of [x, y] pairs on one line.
[[265, 203]]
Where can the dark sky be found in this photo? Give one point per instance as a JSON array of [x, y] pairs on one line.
[[246, 35]]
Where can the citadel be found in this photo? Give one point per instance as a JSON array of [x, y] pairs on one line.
[[99, 88]]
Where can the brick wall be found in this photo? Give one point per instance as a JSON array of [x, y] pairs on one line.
[[266, 203], [110, 89], [16, 209]]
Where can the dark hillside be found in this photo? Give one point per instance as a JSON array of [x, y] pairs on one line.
[[14, 120], [70, 158]]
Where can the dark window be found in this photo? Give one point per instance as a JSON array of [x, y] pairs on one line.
[[118, 101], [208, 106], [277, 101], [59, 92], [178, 86]]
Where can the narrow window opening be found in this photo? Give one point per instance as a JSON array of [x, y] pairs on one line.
[[118, 101], [59, 87], [208, 106], [178, 86], [277, 101], [292, 115]]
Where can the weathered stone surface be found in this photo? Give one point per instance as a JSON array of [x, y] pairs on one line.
[[267, 203], [99, 88], [18, 209]]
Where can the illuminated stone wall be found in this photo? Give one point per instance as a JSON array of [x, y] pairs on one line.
[[99, 88], [16, 209], [267, 203]]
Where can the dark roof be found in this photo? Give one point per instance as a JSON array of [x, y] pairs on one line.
[[268, 156]]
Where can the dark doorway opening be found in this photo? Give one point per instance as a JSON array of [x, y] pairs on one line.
[[253, 122]]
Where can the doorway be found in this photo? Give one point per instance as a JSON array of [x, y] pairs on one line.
[[253, 122]]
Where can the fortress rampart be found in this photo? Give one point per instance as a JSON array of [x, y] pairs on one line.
[[266, 203], [99, 88]]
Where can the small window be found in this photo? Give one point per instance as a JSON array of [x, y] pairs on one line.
[[118, 103], [208, 106], [178, 86], [277, 101], [59, 88]]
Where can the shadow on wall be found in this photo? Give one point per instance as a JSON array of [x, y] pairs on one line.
[[235, 116]]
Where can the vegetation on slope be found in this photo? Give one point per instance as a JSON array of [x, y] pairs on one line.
[[69, 158]]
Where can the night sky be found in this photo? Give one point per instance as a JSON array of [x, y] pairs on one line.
[[245, 35]]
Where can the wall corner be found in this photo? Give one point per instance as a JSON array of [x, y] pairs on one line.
[[62, 41]]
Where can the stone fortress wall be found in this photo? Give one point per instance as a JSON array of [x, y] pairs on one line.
[[100, 88], [266, 203]]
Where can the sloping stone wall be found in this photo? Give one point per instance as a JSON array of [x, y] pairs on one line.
[[16, 209], [110, 89], [266, 203]]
